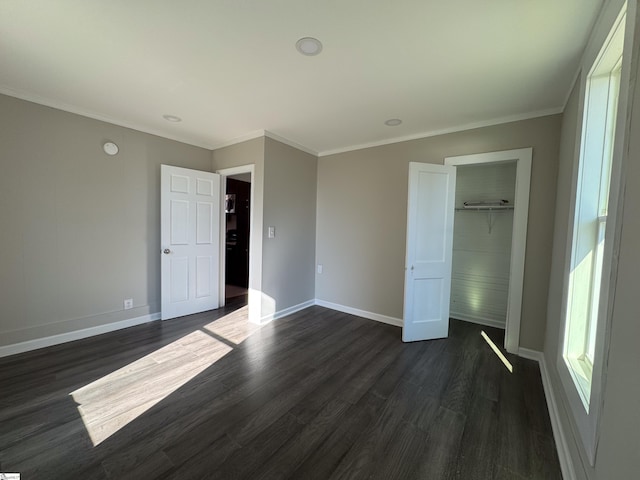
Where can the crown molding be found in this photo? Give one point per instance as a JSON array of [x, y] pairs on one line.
[[47, 102], [266, 133], [576, 77], [291, 143], [240, 139], [444, 131]]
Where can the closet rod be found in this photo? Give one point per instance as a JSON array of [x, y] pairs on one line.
[[484, 209]]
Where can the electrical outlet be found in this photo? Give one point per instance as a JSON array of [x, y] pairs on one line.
[[128, 303], [320, 269]]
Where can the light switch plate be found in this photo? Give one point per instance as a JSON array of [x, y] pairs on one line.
[[271, 233]]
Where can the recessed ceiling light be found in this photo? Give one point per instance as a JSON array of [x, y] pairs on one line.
[[110, 148], [393, 122], [309, 46], [172, 118]]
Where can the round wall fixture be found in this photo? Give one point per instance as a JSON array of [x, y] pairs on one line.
[[393, 122], [110, 148], [309, 46], [172, 118]]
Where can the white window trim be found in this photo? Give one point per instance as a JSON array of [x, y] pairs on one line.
[[587, 423]]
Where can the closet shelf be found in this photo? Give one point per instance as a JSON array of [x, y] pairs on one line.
[[489, 208], [485, 208]]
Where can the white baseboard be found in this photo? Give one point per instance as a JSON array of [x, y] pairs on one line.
[[75, 335], [286, 311], [396, 322], [488, 322], [37, 343], [530, 355], [566, 464]]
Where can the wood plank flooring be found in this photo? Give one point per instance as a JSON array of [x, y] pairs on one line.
[[317, 395]]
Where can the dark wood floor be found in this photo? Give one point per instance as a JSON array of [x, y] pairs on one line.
[[317, 395]]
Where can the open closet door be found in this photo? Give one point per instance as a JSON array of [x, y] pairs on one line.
[[190, 239], [427, 285]]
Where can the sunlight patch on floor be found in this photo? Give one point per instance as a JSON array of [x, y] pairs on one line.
[[115, 400], [497, 351], [233, 327]]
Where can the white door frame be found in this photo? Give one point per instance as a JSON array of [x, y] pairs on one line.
[[255, 265], [523, 157]]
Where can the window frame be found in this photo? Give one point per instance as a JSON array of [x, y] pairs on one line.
[[590, 212], [586, 420]]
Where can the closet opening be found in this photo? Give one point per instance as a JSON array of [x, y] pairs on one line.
[[482, 235], [489, 239]]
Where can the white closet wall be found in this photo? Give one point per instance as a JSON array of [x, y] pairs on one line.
[[481, 254]]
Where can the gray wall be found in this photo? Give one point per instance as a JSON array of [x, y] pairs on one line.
[[250, 152], [290, 206], [245, 153], [562, 219], [285, 190], [80, 230], [362, 210], [620, 435], [617, 455]]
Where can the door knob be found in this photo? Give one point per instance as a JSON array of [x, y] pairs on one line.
[[166, 251]]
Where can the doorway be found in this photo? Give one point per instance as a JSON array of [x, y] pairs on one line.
[[482, 234], [246, 173], [490, 239], [237, 213]]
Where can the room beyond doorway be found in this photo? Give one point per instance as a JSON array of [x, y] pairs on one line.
[[237, 208]]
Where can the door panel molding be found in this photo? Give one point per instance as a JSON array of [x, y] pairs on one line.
[[189, 211], [429, 251]]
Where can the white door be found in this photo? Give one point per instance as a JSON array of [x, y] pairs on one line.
[[427, 285], [190, 239]]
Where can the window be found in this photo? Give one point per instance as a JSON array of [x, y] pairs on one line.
[[591, 210], [593, 233]]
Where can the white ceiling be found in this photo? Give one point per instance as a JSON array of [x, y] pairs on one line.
[[229, 68]]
